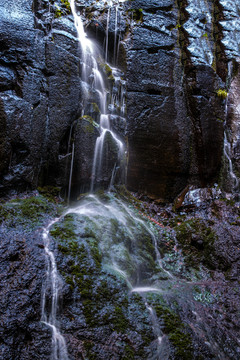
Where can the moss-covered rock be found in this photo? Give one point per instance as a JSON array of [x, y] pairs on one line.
[[197, 241]]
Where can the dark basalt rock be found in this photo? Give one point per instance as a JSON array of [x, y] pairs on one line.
[[22, 270], [174, 65], [40, 92], [198, 309], [175, 137]]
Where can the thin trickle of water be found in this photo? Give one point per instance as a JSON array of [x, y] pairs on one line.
[[227, 153], [106, 48], [228, 149], [71, 171], [163, 350], [50, 293]]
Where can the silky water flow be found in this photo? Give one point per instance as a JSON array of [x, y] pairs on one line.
[[92, 79], [123, 251]]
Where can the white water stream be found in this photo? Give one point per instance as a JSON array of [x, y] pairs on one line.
[[94, 80], [50, 298]]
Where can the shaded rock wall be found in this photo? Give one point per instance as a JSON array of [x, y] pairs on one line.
[[176, 56], [177, 62], [40, 92]]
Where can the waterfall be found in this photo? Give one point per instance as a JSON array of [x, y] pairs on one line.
[[51, 290], [227, 154], [93, 80], [93, 67], [227, 148]]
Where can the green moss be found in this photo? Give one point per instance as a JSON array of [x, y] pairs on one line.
[[50, 192], [137, 14], [119, 321], [5, 213], [66, 230], [187, 233], [66, 5], [65, 9], [108, 71], [63, 231], [88, 346], [28, 212], [129, 353], [33, 207], [176, 331], [58, 14], [95, 108], [97, 257], [90, 126], [222, 94]]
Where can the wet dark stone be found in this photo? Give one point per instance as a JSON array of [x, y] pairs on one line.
[[22, 270], [40, 92]]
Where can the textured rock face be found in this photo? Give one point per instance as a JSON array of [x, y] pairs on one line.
[[101, 246], [22, 270], [175, 56], [175, 118], [40, 92]]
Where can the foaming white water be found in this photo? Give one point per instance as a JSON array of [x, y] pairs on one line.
[[145, 289], [50, 293], [94, 79]]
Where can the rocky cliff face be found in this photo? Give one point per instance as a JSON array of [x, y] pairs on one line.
[[176, 57], [40, 92]]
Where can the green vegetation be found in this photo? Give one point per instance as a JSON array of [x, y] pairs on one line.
[[28, 211], [178, 333], [66, 5], [197, 241], [105, 298], [64, 10], [64, 230], [108, 71], [95, 108], [51, 193], [137, 14], [90, 124], [222, 94]]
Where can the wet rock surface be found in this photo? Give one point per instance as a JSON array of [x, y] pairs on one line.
[[22, 271], [197, 307], [40, 92], [176, 56]]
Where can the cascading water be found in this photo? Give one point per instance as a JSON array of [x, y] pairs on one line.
[[227, 153], [107, 100], [50, 299], [234, 181], [93, 81], [128, 244]]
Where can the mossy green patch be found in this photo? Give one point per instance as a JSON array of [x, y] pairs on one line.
[[90, 125], [29, 211], [88, 346], [51, 193], [136, 14], [178, 333], [222, 94], [197, 241], [120, 322]]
